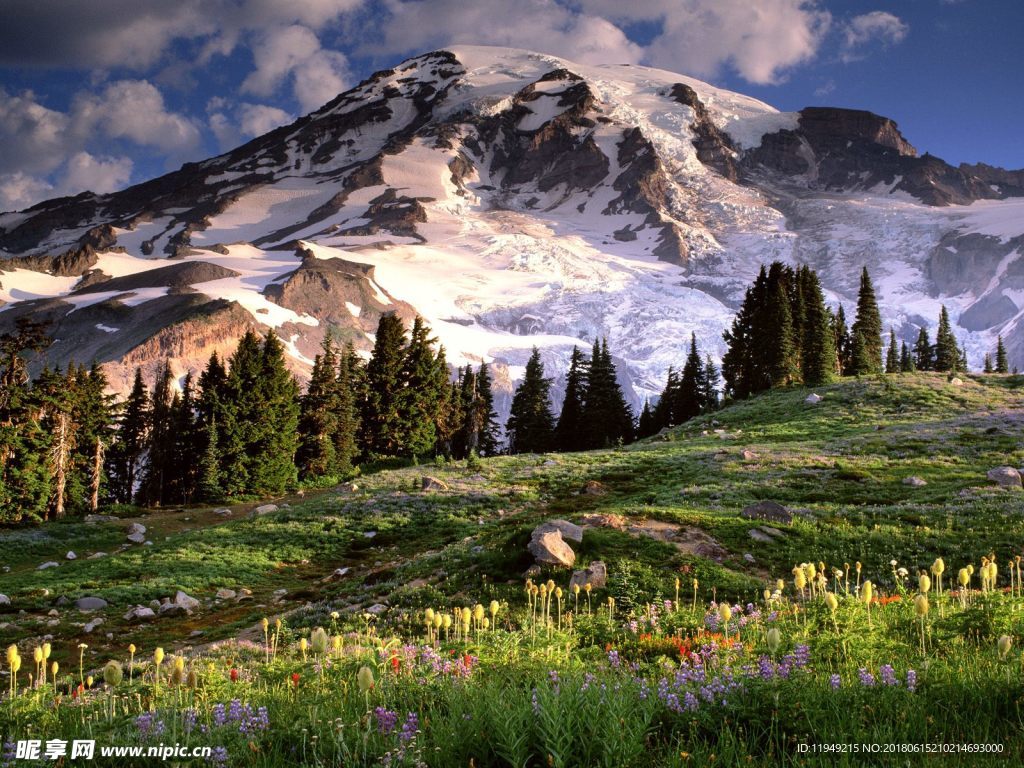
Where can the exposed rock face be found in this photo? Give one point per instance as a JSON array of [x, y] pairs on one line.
[[86, 604], [428, 483], [263, 509], [595, 574], [549, 548], [715, 148], [569, 531], [914, 481], [767, 510]]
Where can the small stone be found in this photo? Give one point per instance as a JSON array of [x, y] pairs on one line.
[[222, 511], [225, 594], [956, 381], [569, 531], [5, 600], [53, 612], [172, 609], [135, 528], [813, 399], [758, 535], [596, 574], [263, 509], [91, 625], [186, 601], [376, 609], [136, 538], [339, 573], [48, 564], [100, 519], [914, 481], [280, 592], [550, 548], [140, 613], [86, 604], [369, 534], [70, 556], [749, 557], [96, 555], [1005, 477], [748, 455], [767, 510], [428, 483], [196, 633], [593, 488]]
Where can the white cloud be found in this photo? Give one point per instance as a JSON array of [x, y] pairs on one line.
[[877, 26], [537, 25], [97, 174], [32, 135], [20, 190], [233, 123], [258, 119]]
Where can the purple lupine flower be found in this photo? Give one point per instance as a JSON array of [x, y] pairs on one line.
[[765, 668], [634, 627], [219, 757], [911, 680], [409, 728], [587, 680], [613, 658], [219, 718], [554, 680], [888, 675], [536, 703], [387, 720], [866, 678], [835, 681], [691, 702], [188, 720]]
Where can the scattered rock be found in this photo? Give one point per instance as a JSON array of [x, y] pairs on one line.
[[417, 584], [813, 399], [339, 573], [768, 510], [222, 511], [773, 532], [532, 571], [197, 633], [758, 535], [369, 534], [225, 594], [5, 600], [48, 564], [263, 509], [155, 604], [348, 488], [618, 522], [1006, 477], [136, 528], [550, 463], [596, 574], [86, 604], [956, 381], [96, 555], [70, 555], [53, 612], [137, 538], [593, 488], [280, 592], [914, 481], [376, 609], [428, 483], [186, 601], [749, 557], [548, 547], [140, 613], [91, 625], [100, 519], [568, 530], [243, 598], [748, 455], [172, 609]]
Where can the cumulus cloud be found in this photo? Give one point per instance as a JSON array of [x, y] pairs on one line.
[[877, 26], [31, 134], [97, 174], [134, 110], [415, 26], [232, 123]]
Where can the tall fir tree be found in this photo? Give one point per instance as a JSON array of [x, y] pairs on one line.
[[646, 426], [867, 357], [346, 426], [124, 461], [892, 355], [489, 432], [1002, 362], [424, 376], [924, 352], [906, 359], [779, 336], [569, 435], [819, 357], [711, 379], [662, 412], [531, 426], [318, 416], [607, 418], [947, 353], [381, 424], [843, 343], [987, 364], [689, 399], [160, 445]]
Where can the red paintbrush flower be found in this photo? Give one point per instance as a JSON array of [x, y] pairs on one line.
[[395, 664], [295, 679], [234, 675]]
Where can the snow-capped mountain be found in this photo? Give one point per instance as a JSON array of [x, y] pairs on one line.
[[515, 199]]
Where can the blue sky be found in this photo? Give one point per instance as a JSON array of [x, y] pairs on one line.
[[100, 94]]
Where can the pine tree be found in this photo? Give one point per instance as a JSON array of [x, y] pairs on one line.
[[318, 417], [209, 488], [124, 461], [690, 395], [987, 366], [924, 352], [711, 378], [346, 426], [187, 445], [663, 409], [739, 368], [607, 418], [1002, 364], [947, 354], [646, 425], [489, 430], [819, 361], [531, 426], [892, 355], [962, 359], [906, 359], [779, 338], [569, 432], [843, 343], [272, 467], [424, 377], [867, 357], [160, 445], [381, 418]]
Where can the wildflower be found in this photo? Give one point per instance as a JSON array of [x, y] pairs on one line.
[[295, 679], [234, 675], [318, 641], [1003, 645], [364, 678], [835, 681], [921, 605], [774, 639], [113, 674], [888, 675], [924, 583], [831, 601], [911, 680], [866, 678], [387, 720]]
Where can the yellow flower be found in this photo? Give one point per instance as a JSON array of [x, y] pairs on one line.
[[774, 639], [131, 649], [46, 650], [88, 681], [831, 601], [37, 655], [494, 607], [12, 653], [54, 667], [318, 641], [725, 612], [1003, 645], [921, 606], [867, 591], [112, 673], [158, 656], [924, 583], [938, 567], [963, 577]]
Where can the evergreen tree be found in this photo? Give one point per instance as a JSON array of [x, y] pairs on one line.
[[843, 343], [987, 367], [962, 359], [778, 337], [892, 355], [124, 462], [690, 395], [739, 368], [711, 377], [906, 359], [318, 417], [346, 424], [867, 357], [424, 377], [1002, 364], [819, 359], [569, 432], [381, 417], [530, 427], [663, 409], [924, 352], [947, 354], [646, 425], [607, 418], [187, 446], [489, 430], [160, 444], [209, 487]]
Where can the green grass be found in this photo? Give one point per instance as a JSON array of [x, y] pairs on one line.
[[839, 465]]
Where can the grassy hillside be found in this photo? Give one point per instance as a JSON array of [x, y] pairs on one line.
[[671, 501]]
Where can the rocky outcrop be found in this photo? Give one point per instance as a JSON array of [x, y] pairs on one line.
[[1005, 477], [714, 147], [767, 510]]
